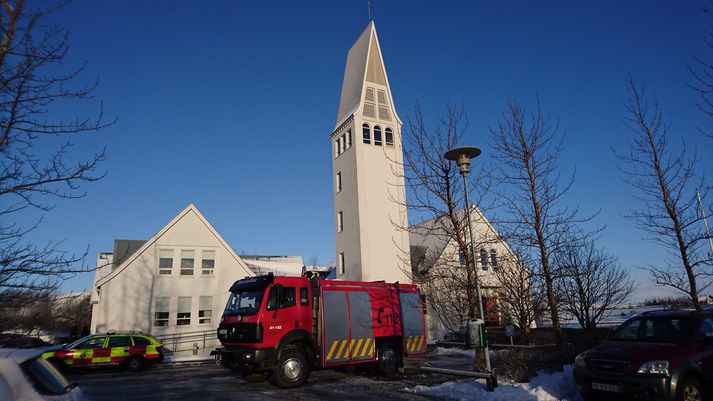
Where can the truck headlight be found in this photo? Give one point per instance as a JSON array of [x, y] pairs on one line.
[[654, 367], [579, 360]]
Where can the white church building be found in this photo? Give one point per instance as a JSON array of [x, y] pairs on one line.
[[176, 283]]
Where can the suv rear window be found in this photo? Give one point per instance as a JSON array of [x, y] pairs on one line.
[[141, 341], [661, 329], [119, 341]]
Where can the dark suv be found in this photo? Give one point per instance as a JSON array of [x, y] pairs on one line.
[[657, 355]]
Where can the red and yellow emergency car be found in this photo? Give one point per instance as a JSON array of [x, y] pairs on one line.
[[133, 350]]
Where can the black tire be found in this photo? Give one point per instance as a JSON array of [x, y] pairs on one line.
[[135, 363], [689, 389], [292, 370], [254, 377], [388, 359]]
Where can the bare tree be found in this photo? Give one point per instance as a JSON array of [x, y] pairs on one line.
[[592, 282], [31, 176], [526, 151], [665, 180], [436, 193], [702, 72], [521, 293]]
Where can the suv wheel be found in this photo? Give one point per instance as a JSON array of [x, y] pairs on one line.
[[689, 390], [135, 363]]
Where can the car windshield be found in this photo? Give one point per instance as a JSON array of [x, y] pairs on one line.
[[244, 302], [661, 329]]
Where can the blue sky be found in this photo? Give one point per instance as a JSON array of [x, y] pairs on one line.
[[229, 104]]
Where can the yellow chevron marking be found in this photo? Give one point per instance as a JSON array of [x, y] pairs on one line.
[[408, 343], [331, 349], [420, 343], [341, 348], [358, 345], [366, 347], [413, 345], [351, 347]]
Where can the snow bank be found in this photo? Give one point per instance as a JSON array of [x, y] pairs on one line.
[[543, 387], [454, 351]]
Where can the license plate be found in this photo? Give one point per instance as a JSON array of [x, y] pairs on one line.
[[223, 331], [612, 388]]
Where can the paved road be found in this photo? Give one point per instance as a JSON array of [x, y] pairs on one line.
[[211, 382]]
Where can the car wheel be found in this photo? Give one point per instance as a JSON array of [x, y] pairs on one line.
[[254, 377], [135, 363], [388, 361], [292, 370], [689, 390]]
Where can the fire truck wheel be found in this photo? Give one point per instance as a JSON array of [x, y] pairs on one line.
[[388, 362], [254, 377], [135, 363], [292, 370]]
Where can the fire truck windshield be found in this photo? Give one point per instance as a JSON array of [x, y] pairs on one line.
[[245, 302]]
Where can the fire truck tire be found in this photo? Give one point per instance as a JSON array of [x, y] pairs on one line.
[[292, 369], [135, 363], [254, 377], [388, 362]]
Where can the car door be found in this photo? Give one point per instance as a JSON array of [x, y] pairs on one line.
[[84, 353], [119, 347]]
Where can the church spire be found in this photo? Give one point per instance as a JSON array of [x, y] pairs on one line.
[[364, 64]]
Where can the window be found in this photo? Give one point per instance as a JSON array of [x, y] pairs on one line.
[[142, 341], [208, 263], [205, 310], [187, 258], [337, 148], [161, 311], [377, 135], [183, 317], [484, 259], [272, 299], [94, 342], [120, 341], [341, 263], [461, 258], [344, 142], [165, 261], [493, 259], [366, 132], [340, 221], [349, 138], [304, 297], [389, 136], [339, 182], [288, 297]]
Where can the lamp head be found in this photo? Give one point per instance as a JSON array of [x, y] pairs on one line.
[[462, 156]]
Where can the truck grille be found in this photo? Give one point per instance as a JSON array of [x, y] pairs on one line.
[[240, 332], [608, 366]]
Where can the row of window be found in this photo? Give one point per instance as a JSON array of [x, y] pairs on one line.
[[366, 134], [344, 142], [187, 262], [162, 311], [493, 262]]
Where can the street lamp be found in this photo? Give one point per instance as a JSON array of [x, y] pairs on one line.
[[462, 157]]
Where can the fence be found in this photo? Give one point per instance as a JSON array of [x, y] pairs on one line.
[[178, 342]]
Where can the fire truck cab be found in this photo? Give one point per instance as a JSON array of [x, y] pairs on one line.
[[283, 327]]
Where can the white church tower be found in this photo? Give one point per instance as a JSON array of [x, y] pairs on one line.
[[369, 193]]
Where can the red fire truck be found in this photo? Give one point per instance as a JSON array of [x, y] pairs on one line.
[[283, 327]]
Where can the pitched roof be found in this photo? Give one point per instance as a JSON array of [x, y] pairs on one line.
[[189, 209]]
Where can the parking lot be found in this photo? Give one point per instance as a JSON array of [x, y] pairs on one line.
[[211, 382]]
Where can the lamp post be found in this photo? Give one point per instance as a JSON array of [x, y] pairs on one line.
[[462, 157]]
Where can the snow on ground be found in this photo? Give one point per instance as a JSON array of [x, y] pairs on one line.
[[454, 351], [543, 387]]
